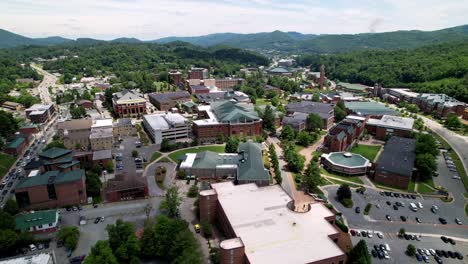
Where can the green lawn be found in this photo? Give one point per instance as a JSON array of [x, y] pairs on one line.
[[423, 188], [173, 156], [155, 156], [354, 179], [368, 151], [6, 161], [411, 186]]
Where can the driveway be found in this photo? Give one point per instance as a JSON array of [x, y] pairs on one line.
[[454, 186], [126, 147]]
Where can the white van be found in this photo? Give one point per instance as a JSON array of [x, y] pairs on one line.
[[413, 207], [32, 247]]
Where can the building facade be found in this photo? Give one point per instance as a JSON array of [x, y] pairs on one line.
[[39, 113], [75, 132], [166, 101], [38, 222], [388, 126], [344, 134], [325, 111], [228, 83], [128, 103], [166, 126], [198, 73]]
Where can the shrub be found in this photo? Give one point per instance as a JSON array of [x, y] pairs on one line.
[[181, 175], [410, 250], [342, 226], [207, 230], [193, 191], [348, 203], [367, 209]]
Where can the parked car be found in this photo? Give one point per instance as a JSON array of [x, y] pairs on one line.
[[420, 205], [403, 218], [418, 220], [389, 218], [458, 221], [97, 220], [357, 210], [419, 257], [197, 228], [442, 221]]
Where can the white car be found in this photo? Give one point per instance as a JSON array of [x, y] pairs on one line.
[[386, 256], [369, 234], [432, 251], [380, 235], [456, 177], [420, 205], [387, 247]]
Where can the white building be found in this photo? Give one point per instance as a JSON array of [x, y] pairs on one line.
[[171, 126], [42, 258]]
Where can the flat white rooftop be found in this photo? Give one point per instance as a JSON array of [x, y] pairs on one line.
[[404, 123], [211, 120], [272, 233], [43, 258], [102, 123]]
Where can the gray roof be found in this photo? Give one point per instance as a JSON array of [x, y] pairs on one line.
[[128, 95], [398, 156], [370, 108], [167, 97], [295, 119], [307, 107], [251, 166], [102, 154]]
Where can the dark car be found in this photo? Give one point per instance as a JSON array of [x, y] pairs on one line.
[[97, 220], [381, 254], [407, 237], [357, 210], [451, 254], [382, 247], [444, 238], [413, 196], [438, 259], [388, 218], [374, 253], [444, 253], [95, 206], [364, 233], [451, 241], [10, 184], [388, 203], [438, 253], [4, 192], [376, 247], [403, 218], [418, 220], [418, 257], [78, 258], [458, 255], [396, 195], [442, 221], [395, 207]]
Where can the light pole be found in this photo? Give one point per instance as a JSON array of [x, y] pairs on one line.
[[148, 210]]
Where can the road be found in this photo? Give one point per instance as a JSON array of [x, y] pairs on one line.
[[48, 80]]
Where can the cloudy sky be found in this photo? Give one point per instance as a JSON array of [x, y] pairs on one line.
[[152, 19]]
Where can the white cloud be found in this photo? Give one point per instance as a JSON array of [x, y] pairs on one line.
[[146, 19]]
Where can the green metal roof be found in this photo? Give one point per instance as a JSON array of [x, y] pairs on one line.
[[189, 104], [209, 159], [25, 221], [51, 177], [70, 164], [370, 108], [251, 165], [352, 86], [354, 160], [15, 143], [66, 159], [54, 153], [231, 112]]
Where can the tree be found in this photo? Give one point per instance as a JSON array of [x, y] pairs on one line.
[[312, 178], [93, 184], [426, 165], [410, 250], [314, 122], [193, 191], [315, 97], [341, 105], [122, 241], [170, 205], [401, 232], [304, 138], [69, 235], [359, 254], [425, 143], [268, 118], [340, 114], [343, 192], [207, 230], [135, 153], [101, 253], [294, 159], [11, 207], [6, 221], [77, 112], [231, 145], [54, 144], [147, 240], [110, 166], [165, 145], [8, 239], [8, 124], [287, 133], [452, 121]]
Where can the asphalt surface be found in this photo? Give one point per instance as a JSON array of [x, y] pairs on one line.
[[126, 147]]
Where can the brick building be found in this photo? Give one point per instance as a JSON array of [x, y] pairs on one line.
[[58, 159], [175, 77], [124, 127], [439, 104], [129, 103], [395, 165], [39, 113], [87, 104], [325, 111], [17, 146], [37, 222], [243, 167], [260, 227], [226, 119], [228, 83], [52, 189], [344, 134], [388, 126], [198, 73], [75, 132], [345, 163], [166, 101], [123, 188]]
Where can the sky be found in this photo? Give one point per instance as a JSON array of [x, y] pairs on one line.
[[153, 19]]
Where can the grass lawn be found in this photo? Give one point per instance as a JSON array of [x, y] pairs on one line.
[[6, 161], [155, 156], [423, 188], [367, 151], [262, 101], [173, 156], [354, 179], [411, 186]]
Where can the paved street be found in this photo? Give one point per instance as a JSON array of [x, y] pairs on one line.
[[454, 186], [49, 80]]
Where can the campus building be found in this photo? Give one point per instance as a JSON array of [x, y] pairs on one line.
[[388, 126], [369, 109], [343, 135], [166, 126], [52, 189], [39, 113], [346, 163], [37, 222], [259, 227], [58, 159], [243, 167], [75, 132], [198, 73], [226, 119], [166, 101], [325, 111], [128, 103], [175, 77], [228, 83], [122, 188], [18, 145], [440, 105], [102, 135], [394, 166], [123, 127], [354, 88]]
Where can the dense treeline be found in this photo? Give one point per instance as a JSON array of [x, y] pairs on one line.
[[441, 68], [10, 70]]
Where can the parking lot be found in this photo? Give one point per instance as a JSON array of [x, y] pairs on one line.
[[125, 147]]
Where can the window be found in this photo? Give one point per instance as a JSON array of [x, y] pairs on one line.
[[40, 226], [50, 224]]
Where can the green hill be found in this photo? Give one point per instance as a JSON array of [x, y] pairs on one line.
[[10, 40]]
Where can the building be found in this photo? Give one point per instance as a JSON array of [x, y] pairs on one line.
[[198, 73], [343, 135], [228, 83], [102, 157], [189, 107], [75, 132], [371, 109], [102, 134], [166, 126], [225, 119], [87, 104], [198, 89], [123, 188], [129, 103], [465, 114], [286, 62], [346, 163], [166, 101], [279, 71], [325, 111], [175, 77], [37, 222], [237, 96], [353, 88], [41, 258], [28, 129], [394, 166], [270, 88], [440, 105], [58, 159], [123, 127], [17, 146], [322, 76], [243, 167], [298, 121], [259, 227], [39, 113], [388, 126], [52, 189], [12, 106], [277, 114], [397, 95]]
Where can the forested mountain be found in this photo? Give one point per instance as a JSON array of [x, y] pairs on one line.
[[288, 42], [440, 68]]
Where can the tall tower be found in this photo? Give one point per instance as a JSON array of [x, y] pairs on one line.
[[322, 76]]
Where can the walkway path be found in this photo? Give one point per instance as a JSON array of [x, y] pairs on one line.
[[308, 152]]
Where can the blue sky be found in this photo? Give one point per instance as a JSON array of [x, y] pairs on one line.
[[152, 19]]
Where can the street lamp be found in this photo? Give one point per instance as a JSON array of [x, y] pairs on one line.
[[148, 210]]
